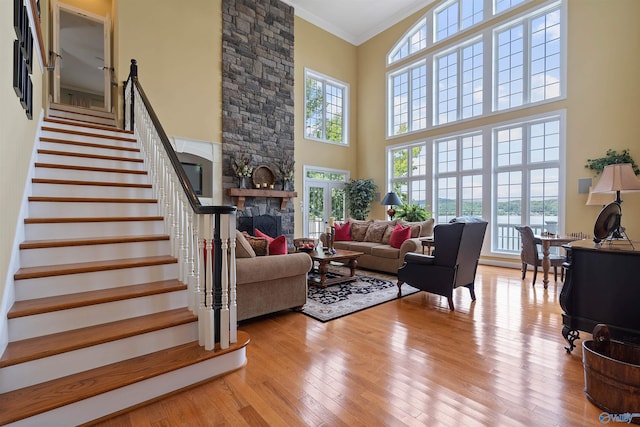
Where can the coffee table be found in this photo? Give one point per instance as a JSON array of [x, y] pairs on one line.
[[348, 258]]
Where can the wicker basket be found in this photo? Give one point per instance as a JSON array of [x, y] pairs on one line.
[[263, 177]]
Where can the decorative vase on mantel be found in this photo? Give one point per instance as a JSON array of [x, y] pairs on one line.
[[287, 185], [244, 182]]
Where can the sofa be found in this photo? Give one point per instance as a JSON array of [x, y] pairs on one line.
[[374, 238], [268, 283]]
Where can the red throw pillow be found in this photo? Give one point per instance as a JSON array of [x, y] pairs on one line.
[[259, 233], [343, 232], [278, 246], [399, 235]]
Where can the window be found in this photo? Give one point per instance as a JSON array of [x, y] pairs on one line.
[[408, 90], [527, 177], [459, 82], [502, 5], [528, 61], [414, 41], [457, 16], [326, 106], [409, 167]]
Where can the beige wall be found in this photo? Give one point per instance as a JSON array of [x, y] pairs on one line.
[[602, 106], [17, 135], [178, 49], [324, 53]]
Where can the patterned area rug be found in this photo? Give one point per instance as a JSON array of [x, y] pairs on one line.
[[345, 298]]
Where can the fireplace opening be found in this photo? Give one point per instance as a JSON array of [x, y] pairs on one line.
[[268, 224]]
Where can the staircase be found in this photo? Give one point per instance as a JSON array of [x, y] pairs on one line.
[[100, 321]]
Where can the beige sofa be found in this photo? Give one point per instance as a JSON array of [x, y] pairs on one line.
[[266, 284], [372, 238]]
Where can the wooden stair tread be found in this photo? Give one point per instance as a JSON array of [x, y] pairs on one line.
[[88, 134], [82, 299], [87, 267], [91, 219], [95, 183], [48, 345], [89, 168], [90, 199], [43, 397], [58, 243], [91, 156], [88, 144], [90, 126]]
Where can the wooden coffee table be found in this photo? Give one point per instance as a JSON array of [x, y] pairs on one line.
[[348, 258]]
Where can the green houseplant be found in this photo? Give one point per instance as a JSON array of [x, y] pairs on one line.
[[611, 157], [359, 194], [412, 213]]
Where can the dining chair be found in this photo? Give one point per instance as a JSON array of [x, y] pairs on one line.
[[531, 256]]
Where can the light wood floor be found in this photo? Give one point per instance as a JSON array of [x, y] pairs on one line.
[[497, 362]]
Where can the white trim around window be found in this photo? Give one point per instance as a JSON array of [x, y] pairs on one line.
[[326, 117]]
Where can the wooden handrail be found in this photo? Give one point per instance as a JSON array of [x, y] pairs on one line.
[[36, 24]]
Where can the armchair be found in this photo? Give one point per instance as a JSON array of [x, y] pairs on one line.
[[453, 263]]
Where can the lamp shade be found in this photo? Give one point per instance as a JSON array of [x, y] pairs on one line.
[[617, 177], [600, 199], [391, 198]]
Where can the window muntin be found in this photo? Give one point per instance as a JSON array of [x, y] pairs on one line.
[[502, 5], [413, 41], [408, 99], [528, 61], [326, 106], [457, 16], [409, 167]]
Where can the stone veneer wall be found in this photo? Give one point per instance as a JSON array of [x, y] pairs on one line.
[[257, 94]]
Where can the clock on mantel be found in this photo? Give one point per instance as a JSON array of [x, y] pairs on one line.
[[239, 195]]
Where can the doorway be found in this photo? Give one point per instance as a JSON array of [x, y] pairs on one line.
[[82, 58], [323, 198]]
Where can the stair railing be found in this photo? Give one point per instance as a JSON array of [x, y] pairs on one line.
[[202, 237]]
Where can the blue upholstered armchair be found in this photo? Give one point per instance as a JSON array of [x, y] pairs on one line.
[[453, 263]]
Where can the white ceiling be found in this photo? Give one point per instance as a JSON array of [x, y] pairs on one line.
[[355, 21]]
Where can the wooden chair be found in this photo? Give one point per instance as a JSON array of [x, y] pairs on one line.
[[531, 256]]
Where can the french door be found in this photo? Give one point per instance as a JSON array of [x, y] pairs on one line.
[[323, 198]]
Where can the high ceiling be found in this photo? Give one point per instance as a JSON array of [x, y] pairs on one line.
[[355, 21]]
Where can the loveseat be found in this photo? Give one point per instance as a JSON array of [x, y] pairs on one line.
[[268, 283], [374, 240]]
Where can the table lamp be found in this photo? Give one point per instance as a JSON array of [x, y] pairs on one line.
[[391, 199], [617, 178]]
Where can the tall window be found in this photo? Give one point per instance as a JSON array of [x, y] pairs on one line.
[[408, 108], [409, 167], [527, 176], [326, 106], [459, 82], [457, 15], [502, 5], [528, 61]]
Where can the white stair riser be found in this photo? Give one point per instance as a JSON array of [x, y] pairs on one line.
[[65, 108], [92, 229], [66, 320], [57, 130], [90, 162], [143, 391], [89, 253], [93, 209], [41, 287], [97, 176], [82, 118], [107, 151], [48, 368], [61, 190]]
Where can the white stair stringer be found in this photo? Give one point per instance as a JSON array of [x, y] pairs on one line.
[[97, 293]]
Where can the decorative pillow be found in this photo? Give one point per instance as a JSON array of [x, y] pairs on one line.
[[278, 246], [260, 245], [259, 233], [416, 227], [375, 232], [427, 228], [243, 248], [387, 233], [343, 232], [399, 235], [359, 230]]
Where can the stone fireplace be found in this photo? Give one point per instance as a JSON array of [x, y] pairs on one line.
[[257, 96]]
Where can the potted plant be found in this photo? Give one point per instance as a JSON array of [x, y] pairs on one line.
[[412, 213], [611, 157], [241, 166], [359, 194]]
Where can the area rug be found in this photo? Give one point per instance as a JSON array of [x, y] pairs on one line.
[[341, 299]]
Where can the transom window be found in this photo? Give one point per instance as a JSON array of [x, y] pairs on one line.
[[326, 106], [456, 16], [414, 41]]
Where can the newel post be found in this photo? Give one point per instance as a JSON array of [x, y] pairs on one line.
[[133, 73]]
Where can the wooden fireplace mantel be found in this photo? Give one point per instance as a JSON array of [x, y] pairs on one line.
[[239, 195]]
